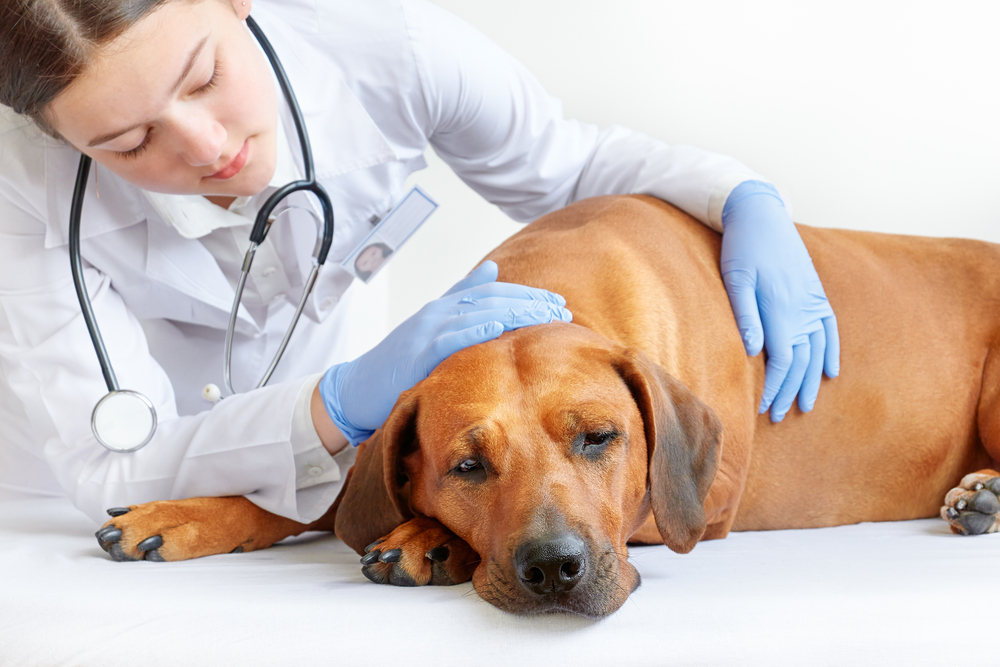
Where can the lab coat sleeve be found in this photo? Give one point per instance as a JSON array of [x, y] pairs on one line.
[[491, 120], [244, 445]]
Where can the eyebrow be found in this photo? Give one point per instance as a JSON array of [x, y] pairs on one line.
[[104, 138]]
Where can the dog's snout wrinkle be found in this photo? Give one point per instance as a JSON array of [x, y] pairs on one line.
[[551, 565]]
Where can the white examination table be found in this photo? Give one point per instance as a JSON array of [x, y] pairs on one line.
[[886, 594]]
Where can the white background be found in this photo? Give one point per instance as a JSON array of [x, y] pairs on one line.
[[882, 116]]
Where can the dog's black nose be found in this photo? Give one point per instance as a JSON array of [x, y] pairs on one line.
[[551, 565]]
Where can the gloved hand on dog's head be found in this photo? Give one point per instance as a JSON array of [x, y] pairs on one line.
[[359, 394]]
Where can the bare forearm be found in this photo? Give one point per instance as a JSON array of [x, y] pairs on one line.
[[333, 440]]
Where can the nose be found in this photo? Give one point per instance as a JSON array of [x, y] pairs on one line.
[[550, 565], [201, 140]]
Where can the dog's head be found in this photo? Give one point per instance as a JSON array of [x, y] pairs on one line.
[[545, 450]]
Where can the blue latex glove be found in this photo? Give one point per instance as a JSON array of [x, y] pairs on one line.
[[777, 298], [359, 394]]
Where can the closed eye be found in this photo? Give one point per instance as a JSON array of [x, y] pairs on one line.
[[138, 150], [201, 90], [211, 83]]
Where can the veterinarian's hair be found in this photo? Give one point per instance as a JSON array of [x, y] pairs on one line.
[[46, 44]]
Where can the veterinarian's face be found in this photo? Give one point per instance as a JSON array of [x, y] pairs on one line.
[[539, 464], [182, 102]]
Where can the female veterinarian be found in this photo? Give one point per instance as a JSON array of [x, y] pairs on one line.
[[191, 132]]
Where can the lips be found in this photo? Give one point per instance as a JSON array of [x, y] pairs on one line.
[[235, 165]]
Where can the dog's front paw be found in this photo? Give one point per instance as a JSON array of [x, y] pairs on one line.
[[419, 552], [177, 530], [973, 507]]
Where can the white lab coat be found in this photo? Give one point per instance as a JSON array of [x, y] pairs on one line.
[[378, 82]]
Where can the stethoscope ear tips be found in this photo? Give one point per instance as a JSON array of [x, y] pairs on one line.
[[211, 393]]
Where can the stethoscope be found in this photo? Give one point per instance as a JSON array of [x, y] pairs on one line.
[[125, 420]]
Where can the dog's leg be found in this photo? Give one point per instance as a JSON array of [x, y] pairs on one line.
[[419, 552], [973, 507], [181, 529]]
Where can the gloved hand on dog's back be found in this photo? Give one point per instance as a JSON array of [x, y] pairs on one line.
[[358, 395], [777, 298]]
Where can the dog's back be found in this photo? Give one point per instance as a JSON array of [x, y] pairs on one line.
[[920, 356]]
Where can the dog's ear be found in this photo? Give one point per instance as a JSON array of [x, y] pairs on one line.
[[371, 505], [683, 436]]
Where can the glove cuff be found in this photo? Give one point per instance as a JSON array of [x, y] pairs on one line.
[[744, 191], [329, 391]]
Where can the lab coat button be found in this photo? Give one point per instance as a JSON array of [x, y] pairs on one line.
[[326, 304], [268, 272], [315, 471]]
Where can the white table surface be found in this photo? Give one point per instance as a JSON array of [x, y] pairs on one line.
[[907, 593]]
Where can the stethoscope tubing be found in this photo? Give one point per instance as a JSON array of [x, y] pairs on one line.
[[75, 262], [263, 222]]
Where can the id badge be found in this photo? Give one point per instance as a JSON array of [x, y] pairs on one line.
[[389, 235]]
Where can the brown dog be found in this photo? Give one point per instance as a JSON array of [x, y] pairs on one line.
[[529, 462]]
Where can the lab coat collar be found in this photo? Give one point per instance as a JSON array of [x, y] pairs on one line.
[[343, 135]]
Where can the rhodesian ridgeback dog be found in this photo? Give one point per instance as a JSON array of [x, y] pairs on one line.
[[529, 463]]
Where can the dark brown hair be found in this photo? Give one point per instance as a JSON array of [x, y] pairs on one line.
[[46, 44]]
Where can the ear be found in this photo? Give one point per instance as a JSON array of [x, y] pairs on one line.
[[683, 437], [242, 8], [370, 506]]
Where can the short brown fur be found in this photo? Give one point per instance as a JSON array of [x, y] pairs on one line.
[[654, 357]]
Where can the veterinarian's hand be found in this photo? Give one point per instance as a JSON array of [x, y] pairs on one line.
[[777, 298], [359, 394]]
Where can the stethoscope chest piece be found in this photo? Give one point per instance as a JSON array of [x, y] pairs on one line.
[[124, 420]]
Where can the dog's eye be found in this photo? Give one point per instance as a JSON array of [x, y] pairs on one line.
[[468, 465], [597, 439], [594, 445], [471, 471]]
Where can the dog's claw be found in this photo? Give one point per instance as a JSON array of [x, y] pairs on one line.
[[371, 557], [150, 543], [438, 554], [108, 534], [154, 555], [373, 545], [391, 556], [118, 511]]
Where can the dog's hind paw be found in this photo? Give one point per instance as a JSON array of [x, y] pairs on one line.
[[973, 507], [419, 552]]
